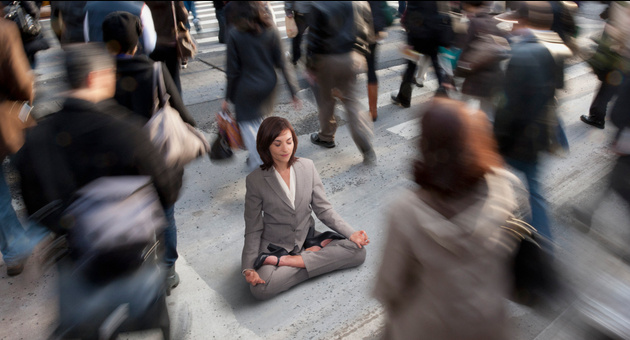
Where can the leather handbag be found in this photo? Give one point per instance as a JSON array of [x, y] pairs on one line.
[[177, 141], [533, 271], [186, 45], [15, 117], [229, 129]]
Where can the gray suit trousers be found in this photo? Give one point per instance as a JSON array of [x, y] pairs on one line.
[[338, 254], [336, 71]]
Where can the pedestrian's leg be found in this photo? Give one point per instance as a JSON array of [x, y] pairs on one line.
[[325, 100], [404, 93], [359, 121], [14, 243], [604, 95], [538, 204], [300, 22], [249, 130], [221, 19]]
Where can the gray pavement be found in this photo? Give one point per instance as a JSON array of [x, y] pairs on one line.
[[213, 299]]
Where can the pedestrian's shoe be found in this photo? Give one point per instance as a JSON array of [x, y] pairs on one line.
[[592, 121], [315, 140], [197, 24], [16, 268], [184, 64], [397, 101], [172, 280], [369, 157]]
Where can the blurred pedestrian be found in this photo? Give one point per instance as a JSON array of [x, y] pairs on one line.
[[168, 15], [444, 273], [16, 86], [96, 11], [482, 72], [422, 21], [192, 9], [609, 64], [282, 247], [525, 125], [254, 52], [135, 91], [86, 140], [298, 10], [332, 67], [66, 20]]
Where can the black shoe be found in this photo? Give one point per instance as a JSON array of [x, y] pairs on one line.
[[591, 121], [317, 240], [263, 256], [398, 102], [315, 140]]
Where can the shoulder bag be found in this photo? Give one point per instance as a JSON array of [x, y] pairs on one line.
[[186, 45], [534, 274], [177, 141]]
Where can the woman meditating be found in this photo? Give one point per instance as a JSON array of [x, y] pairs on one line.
[[282, 247]]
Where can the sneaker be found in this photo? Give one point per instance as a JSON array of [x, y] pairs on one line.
[[197, 24], [184, 64], [315, 140], [172, 280]]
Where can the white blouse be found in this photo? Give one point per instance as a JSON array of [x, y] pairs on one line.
[[289, 191]]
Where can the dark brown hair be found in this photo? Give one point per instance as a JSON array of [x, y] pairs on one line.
[[269, 130], [249, 16], [457, 147]]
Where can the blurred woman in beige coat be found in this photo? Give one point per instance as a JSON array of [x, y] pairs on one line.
[[444, 273]]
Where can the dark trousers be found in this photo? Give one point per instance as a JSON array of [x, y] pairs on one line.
[[371, 65], [600, 103], [404, 94], [168, 55], [302, 25]]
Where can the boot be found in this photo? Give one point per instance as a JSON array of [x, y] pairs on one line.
[[372, 99]]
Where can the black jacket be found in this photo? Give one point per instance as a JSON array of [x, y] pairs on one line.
[[134, 87], [523, 126], [331, 27], [80, 143]]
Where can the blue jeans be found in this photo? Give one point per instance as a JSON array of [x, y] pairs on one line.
[[538, 204], [15, 243], [170, 237]]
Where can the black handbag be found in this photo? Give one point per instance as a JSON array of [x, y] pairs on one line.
[[220, 149], [29, 27], [535, 277]]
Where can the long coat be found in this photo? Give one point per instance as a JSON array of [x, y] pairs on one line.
[[252, 61], [446, 278]]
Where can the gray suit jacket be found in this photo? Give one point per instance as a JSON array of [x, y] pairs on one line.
[[269, 217]]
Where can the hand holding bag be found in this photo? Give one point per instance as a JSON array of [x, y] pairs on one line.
[[177, 141]]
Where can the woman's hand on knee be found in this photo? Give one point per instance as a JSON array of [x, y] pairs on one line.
[[360, 238], [253, 278]]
